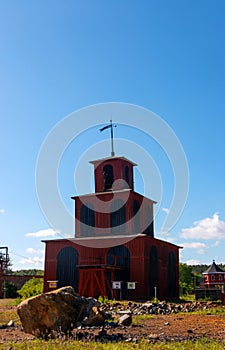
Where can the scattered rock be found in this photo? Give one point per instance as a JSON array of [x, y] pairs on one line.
[[58, 310], [190, 331], [10, 323], [62, 311], [125, 320], [95, 318]]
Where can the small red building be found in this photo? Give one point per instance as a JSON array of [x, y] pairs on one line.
[[214, 276], [114, 242]]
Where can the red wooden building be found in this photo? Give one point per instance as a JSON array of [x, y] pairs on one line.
[[113, 241], [214, 276]]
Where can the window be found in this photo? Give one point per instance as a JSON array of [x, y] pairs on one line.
[[212, 278], [220, 277], [127, 176], [172, 275], [108, 177], [118, 216], [136, 217], [149, 221], [87, 217]]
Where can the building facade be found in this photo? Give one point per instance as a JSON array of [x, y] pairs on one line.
[[114, 242], [214, 276]]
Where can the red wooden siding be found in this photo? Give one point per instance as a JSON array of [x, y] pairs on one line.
[[95, 260]]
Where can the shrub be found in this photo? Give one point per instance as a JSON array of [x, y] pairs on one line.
[[31, 288], [11, 290]]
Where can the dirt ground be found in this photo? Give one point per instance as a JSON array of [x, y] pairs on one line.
[[173, 327]]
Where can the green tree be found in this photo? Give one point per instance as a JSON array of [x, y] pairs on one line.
[[32, 287], [34, 272], [185, 278]]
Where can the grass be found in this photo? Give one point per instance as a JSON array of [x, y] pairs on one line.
[[203, 344], [187, 298], [213, 311], [8, 314]]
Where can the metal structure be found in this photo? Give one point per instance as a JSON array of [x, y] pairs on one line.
[[4, 263]]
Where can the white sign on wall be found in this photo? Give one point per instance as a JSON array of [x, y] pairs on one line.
[[131, 285], [116, 285]]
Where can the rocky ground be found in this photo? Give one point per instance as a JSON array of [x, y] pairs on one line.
[[174, 323]]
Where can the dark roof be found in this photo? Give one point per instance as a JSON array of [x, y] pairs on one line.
[[112, 158], [213, 269]]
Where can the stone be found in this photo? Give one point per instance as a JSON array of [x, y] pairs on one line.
[[58, 311], [10, 323], [96, 317], [125, 320]]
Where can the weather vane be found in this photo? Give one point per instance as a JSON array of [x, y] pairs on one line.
[[111, 125]]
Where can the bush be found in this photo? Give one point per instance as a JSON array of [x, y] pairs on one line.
[[31, 288], [11, 290]]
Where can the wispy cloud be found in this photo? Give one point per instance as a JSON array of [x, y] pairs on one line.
[[36, 259], [2, 211], [43, 233], [35, 251], [216, 244], [33, 261], [193, 262], [166, 210], [207, 228], [195, 245]]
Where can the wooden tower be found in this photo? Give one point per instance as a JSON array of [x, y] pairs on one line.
[[113, 241]]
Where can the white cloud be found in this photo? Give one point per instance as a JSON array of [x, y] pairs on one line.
[[42, 233], [193, 262], [166, 210], [207, 228], [35, 251], [194, 245], [215, 244], [2, 211], [34, 261]]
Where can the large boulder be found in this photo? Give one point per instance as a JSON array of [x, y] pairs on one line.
[[58, 310]]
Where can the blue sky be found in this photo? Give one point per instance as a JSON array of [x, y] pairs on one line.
[[58, 57]]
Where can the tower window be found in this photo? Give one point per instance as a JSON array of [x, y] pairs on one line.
[[108, 177], [149, 221], [127, 175], [87, 217], [136, 217], [118, 216]]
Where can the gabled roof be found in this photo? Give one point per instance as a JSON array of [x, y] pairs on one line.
[[112, 158], [213, 269]]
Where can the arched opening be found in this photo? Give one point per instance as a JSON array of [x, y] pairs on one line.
[[136, 216], [153, 271], [108, 177], [118, 216], [127, 175], [119, 256], [67, 273], [87, 217], [149, 221], [172, 276]]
